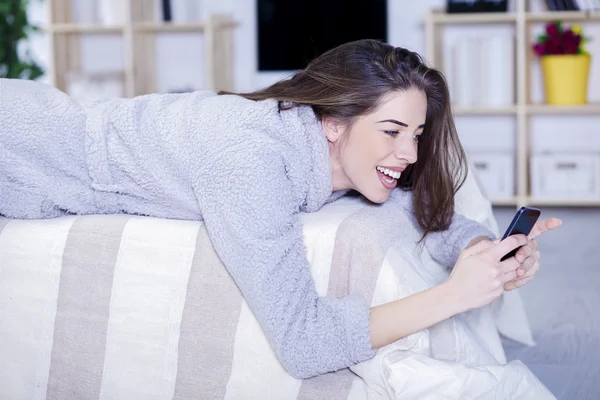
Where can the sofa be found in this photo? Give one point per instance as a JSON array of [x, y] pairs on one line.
[[133, 307]]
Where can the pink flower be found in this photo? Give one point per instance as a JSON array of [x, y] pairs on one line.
[[571, 42], [538, 48], [558, 40], [552, 29]]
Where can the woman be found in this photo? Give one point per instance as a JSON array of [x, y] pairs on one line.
[[365, 116]]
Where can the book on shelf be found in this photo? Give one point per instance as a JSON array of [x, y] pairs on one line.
[[481, 71], [181, 11], [104, 12], [573, 5]]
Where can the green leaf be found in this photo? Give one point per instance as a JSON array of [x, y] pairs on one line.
[[15, 28]]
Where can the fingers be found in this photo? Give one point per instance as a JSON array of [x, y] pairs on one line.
[[526, 251], [499, 250], [544, 226], [534, 265], [527, 276], [517, 283], [508, 276], [509, 265], [530, 262]]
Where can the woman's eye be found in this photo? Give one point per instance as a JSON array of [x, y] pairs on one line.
[[418, 138], [391, 133]]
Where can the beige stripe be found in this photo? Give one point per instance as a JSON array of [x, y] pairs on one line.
[[361, 243], [83, 307], [206, 343], [332, 386]]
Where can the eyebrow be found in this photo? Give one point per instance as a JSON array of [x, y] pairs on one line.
[[394, 121]]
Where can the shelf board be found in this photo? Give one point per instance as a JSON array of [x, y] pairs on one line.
[[484, 110], [564, 202], [547, 16], [593, 108], [441, 17], [87, 28], [531, 201], [511, 201], [158, 27]]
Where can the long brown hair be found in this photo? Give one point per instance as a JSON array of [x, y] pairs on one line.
[[350, 80]]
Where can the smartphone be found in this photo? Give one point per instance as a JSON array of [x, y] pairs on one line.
[[522, 223]]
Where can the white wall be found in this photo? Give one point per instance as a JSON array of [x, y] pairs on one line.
[[179, 65], [405, 29], [179, 56]]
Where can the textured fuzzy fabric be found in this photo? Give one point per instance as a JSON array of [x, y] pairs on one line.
[[243, 167], [445, 246]]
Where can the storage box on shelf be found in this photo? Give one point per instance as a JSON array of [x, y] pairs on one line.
[[522, 21], [565, 177], [496, 172]]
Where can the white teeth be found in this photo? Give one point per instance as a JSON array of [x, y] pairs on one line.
[[393, 174]]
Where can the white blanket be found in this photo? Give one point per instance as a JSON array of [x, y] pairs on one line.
[[460, 358]]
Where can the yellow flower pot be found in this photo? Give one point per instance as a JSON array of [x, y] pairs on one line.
[[566, 78]]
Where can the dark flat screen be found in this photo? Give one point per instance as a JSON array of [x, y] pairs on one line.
[[292, 33]]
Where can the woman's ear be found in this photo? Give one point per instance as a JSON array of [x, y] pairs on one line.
[[333, 129]]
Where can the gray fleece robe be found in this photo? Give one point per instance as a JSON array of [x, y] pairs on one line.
[[243, 167]]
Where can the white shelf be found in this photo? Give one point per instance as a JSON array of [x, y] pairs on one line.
[[168, 27], [521, 111], [532, 201], [575, 109], [547, 16], [564, 202], [593, 108], [508, 110], [139, 48], [88, 28], [511, 201], [441, 17]]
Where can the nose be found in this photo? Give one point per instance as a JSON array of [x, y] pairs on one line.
[[406, 149]]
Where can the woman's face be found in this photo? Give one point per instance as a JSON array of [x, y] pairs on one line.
[[370, 156]]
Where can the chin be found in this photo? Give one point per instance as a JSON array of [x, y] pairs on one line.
[[377, 197]]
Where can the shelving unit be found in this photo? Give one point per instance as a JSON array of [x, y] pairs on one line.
[[522, 20], [138, 31]]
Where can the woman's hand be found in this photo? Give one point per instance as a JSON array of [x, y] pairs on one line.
[[478, 277], [529, 256]]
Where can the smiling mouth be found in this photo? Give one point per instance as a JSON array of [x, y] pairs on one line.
[[389, 173], [389, 182]]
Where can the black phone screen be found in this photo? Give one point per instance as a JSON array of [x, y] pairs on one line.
[[522, 223]]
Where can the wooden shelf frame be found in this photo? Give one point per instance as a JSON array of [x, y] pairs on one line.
[[138, 31], [523, 21]]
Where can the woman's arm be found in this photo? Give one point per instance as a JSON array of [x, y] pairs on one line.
[[252, 218], [393, 321], [445, 246], [477, 279]]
